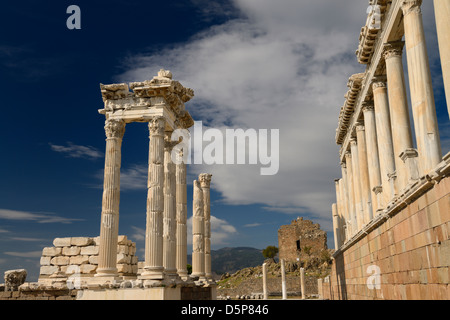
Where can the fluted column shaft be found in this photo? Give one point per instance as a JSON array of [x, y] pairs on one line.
[[169, 216], [384, 138], [154, 269], [198, 233], [181, 217], [336, 230], [422, 96], [346, 200], [205, 183], [442, 14], [399, 112], [109, 228], [373, 159]]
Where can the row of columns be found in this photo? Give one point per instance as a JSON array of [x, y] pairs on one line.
[[382, 161], [166, 222]]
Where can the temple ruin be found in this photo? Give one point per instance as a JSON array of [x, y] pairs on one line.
[[391, 216]]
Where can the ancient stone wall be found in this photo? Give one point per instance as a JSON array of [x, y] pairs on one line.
[[79, 256], [409, 255], [302, 238]]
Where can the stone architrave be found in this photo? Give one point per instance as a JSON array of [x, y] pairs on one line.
[[154, 269], [442, 14], [384, 138], [399, 111], [205, 183], [181, 199], [198, 233], [169, 216], [107, 265], [420, 82]]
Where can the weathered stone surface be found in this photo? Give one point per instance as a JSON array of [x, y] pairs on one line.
[[90, 250], [48, 270], [71, 251], [79, 260], [14, 278], [82, 241], [60, 261], [45, 261], [62, 242], [51, 251]]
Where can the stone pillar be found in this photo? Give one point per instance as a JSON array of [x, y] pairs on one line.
[[384, 138], [373, 159], [341, 214], [422, 97], [351, 197], [442, 14], [109, 227], [401, 129], [205, 183], [302, 283], [335, 226], [359, 213], [169, 216], [345, 197], [320, 288], [265, 293], [198, 232], [153, 268], [283, 280], [181, 199], [366, 191]]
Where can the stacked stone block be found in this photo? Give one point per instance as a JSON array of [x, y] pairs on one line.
[[79, 255]]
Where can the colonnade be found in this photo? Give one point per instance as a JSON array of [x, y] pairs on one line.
[[380, 160]]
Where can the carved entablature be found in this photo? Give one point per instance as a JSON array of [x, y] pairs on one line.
[[368, 35], [354, 84], [159, 92]]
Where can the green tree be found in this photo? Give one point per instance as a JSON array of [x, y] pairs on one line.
[[270, 252]]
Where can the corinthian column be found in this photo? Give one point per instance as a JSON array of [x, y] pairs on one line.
[[169, 217], [401, 129], [422, 97], [198, 232], [351, 226], [181, 217], [384, 138], [442, 13], [372, 155], [153, 268], [109, 228], [357, 221], [366, 193], [346, 201], [205, 183]]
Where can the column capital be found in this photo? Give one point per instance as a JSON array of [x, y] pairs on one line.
[[379, 82], [114, 128], [344, 165], [205, 180], [409, 6], [393, 49], [360, 127], [168, 142], [368, 106], [353, 142], [157, 125]]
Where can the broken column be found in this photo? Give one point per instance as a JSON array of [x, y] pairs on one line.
[[205, 183]]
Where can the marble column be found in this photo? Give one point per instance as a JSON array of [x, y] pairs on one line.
[[153, 267], [366, 192], [265, 291], [109, 227], [205, 183], [341, 214], [335, 226], [198, 233], [351, 197], [358, 220], [399, 112], [181, 198], [384, 138], [373, 156], [422, 96], [346, 200], [169, 216], [283, 280], [302, 283], [442, 14]]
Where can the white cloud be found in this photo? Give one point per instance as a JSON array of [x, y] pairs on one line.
[[77, 151], [284, 67], [38, 217]]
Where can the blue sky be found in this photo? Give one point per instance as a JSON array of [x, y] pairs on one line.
[[252, 63]]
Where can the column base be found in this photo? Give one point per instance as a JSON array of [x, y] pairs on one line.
[[107, 272], [152, 273]]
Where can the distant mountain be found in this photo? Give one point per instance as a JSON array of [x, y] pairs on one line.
[[233, 259]]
